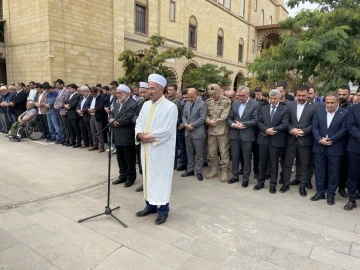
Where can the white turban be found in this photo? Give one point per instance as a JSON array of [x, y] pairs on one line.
[[143, 85], [124, 88], [160, 80]]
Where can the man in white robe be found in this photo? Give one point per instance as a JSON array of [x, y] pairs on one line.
[[156, 130]]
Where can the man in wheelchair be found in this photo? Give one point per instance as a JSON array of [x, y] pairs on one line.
[[24, 119]]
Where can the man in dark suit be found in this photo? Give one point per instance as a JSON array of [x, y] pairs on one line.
[[193, 118], [329, 130], [353, 153], [281, 86], [82, 110], [273, 123], [97, 114], [124, 135], [72, 118], [19, 99], [300, 139], [242, 121]]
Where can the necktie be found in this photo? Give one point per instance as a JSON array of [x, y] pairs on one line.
[[272, 113], [192, 107]]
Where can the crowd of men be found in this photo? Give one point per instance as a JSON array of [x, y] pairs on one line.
[[224, 130]]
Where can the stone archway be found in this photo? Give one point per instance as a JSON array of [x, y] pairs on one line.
[[173, 79], [272, 37], [239, 80], [190, 65]]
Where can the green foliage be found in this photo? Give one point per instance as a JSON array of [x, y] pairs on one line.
[[138, 68], [324, 44], [208, 74]]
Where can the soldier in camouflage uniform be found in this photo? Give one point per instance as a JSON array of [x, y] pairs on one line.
[[218, 132]]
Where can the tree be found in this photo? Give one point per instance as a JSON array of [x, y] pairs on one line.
[[138, 68], [324, 44], [207, 74]]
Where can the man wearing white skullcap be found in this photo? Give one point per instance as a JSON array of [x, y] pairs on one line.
[[156, 130], [123, 129]]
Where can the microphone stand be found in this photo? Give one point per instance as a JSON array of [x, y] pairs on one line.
[[108, 210]]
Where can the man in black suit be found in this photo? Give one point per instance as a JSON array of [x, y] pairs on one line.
[[19, 99], [82, 110], [330, 138], [282, 86], [97, 114], [272, 123], [242, 121], [353, 153], [344, 92], [72, 119], [124, 135], [300, 139]]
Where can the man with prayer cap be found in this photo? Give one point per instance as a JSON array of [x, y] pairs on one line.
[[156, 130], [123, 128], [144, 96]]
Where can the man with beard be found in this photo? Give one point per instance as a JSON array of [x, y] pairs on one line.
[[300, 139], [145, 95], [124, 135], [344, 92], [84, 116]]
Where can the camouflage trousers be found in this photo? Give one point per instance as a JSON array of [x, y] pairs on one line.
[[219, 143]]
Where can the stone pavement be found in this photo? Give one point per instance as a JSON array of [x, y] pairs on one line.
[[212, 225]]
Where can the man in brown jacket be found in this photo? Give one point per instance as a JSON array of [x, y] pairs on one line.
[[42, 110]]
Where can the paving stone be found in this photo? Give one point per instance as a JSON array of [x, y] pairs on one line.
[[290, 260], [21, 257], [151, 265], [12, 221], [198, 263], [247, 262], [161, 252], [342, 235], [7, 242], [297, 224], [334, 258], [122, 259], [103, 249], [38, 238], [206, 250], [79, 236], [50, 220], [29, 209]]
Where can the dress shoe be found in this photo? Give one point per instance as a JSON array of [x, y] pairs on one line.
[[245, 184], [284, 188], [76, 146], [139, 189], [233, 180], [272, 189], [199, 176], [350, 206], [84, 146], [101, 149], [309, 185], [118, 181], [317, 197], [145, 212], [181, 168], [160, 219], [241, 172], [128, 183], [259, 186], [58, 142], [71, 144], [295, 182], [92, 148], [281, 182], [302, 192], [186, 174], [342, 193], [330, 200]]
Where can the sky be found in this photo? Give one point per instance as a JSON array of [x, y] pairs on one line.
[[294, 11]]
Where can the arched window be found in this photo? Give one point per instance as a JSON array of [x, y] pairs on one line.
[[241, 50], [141, 16], [220, 43], [255, 5], [262, 15], [242, 8], [270, 20], [192, 32]]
